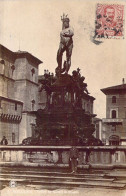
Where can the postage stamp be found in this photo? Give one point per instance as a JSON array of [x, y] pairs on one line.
[[109, 21]]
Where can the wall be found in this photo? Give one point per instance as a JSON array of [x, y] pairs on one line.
[[6, 87], [32, 76], [20, 92], [25, 126], [42, 99], [31, 94], [6, 79], [7, 128], [94, 157], [10, 118], [18, 81], [23, 70], [26, 85], [120, 131], [6, 68], [8, 107], [120, 105], [20, 69], [22, 128], [26, 91], [87, 105], [30, 120]]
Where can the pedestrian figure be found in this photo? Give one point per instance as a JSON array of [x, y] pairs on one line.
[[4, 141], [73, 159]]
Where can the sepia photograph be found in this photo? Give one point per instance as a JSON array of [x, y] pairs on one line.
[[62, 97]]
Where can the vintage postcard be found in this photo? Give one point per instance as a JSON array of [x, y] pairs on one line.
[[62, 97]]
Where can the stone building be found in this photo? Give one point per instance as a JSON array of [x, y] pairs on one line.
[[114, 125], [98, 128], [18, 94]]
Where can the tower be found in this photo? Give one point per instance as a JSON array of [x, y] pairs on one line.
[[18, 94], [26, 89]]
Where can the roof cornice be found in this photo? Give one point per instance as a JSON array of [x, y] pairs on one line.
[[5, 53]]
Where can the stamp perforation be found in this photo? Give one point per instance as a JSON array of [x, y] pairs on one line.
[[109, 21]]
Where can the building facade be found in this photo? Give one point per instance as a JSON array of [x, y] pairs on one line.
[[114, 125], [98, 128], [18, 94]]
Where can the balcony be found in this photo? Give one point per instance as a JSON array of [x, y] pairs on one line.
[[112, 120]]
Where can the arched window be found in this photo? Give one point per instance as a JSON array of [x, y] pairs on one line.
[[113, 99], [33, 104], [113, 113], [33, 71], [2, 66], [12, 68], [33, 74]]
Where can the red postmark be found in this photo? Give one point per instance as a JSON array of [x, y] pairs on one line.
[[109, 21]]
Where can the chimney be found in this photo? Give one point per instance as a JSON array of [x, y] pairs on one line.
[[123, 81]]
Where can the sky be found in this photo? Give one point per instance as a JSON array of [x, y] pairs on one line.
[[34, 26]]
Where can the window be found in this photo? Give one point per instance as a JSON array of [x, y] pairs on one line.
[[13, 68], [13, 137], [116, 156], [33, 71], [113, 127], [104, 141], [0, 104], [114, 140], [33, 129], [2, 62], [2, 66], [33, 104], [114, 99], [15, 106], [114, 143], [33, 74], [113, 113], [87, 107]]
